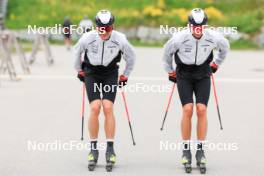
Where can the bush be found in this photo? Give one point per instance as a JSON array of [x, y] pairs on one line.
[[248, 23], [244, 14]]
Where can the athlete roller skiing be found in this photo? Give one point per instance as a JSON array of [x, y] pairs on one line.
[[103, 49], [192, 51]]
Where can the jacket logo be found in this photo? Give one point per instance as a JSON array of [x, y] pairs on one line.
[[94, 48], [205, 47], [187, 50], [111, 46]]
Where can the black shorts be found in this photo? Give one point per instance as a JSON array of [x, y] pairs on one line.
[[101, 87], [200, 88]]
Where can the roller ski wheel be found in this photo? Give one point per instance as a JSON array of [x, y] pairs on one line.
[[187, 161], [91, 166], [110, 160], [109, 166], [188, 168], [201, 161], [92, 159], [202, 168]]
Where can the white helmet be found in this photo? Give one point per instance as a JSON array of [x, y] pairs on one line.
[[197, 17], [104, 18]]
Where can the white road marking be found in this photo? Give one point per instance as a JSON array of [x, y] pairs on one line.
[[134, 78]]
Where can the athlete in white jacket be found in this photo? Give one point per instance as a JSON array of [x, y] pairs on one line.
[[103, 50], [104, 54], [192, 51], [195, 51]]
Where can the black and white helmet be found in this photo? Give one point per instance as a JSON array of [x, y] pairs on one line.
[[197, 17], [104, 18]]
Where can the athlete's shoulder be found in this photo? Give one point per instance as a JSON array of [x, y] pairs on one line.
[[213, 34], [216, 37], [118, 37], [89, 35], [181, 35]]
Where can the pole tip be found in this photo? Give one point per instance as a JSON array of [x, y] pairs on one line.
[[82, 138], [161, 129], [134, 143]]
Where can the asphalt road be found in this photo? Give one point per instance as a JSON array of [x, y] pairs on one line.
[[45, 106]]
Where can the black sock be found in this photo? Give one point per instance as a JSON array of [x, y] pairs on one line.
[[110, 145], [93, 145]]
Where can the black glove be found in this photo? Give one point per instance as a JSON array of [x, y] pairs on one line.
[[81, 75], [172, 77], [122, 81]]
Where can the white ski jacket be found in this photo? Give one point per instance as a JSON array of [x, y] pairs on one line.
[[103, 52], [193, 51]]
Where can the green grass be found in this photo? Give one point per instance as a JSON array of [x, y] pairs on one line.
[[248, 15], [244, 44]]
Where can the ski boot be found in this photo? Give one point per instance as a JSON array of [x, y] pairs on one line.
[[110, 159], [201, 161], [92, 159], [187, 161]]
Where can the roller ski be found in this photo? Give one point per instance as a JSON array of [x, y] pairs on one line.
[[110, 160], [187, 161], [201, 161], [92, 159]]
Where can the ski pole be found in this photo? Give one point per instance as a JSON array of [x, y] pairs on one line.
[[128, 117], [166, 112], [83, 104], [216, 101]]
